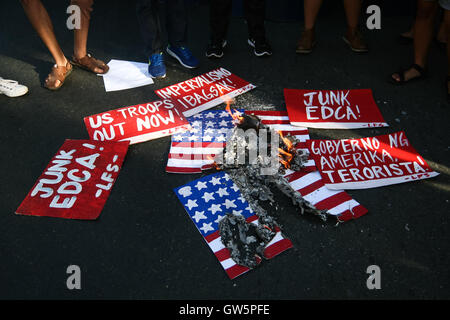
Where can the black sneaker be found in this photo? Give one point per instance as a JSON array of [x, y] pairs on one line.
[[215, 50], [261, 48]]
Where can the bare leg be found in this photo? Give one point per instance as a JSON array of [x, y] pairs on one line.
[[423, 35], [423, 28], [352, 12], [81, 35], [41, 22], [311, 8]]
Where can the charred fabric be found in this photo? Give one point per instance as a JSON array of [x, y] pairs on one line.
[[247, 241]]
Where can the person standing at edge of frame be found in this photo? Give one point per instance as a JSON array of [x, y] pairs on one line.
[[148, 14], [219, 19], [352, 37], [423, 36], [40, 20]]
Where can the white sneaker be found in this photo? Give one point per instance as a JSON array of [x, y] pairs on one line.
[[12, 88]]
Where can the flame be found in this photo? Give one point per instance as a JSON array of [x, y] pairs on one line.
[[286, 141], [211, 158], [286, 156], [285, 153], [236, 115]]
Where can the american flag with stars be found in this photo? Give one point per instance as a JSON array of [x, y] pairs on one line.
[[207, 201], [192, 151]]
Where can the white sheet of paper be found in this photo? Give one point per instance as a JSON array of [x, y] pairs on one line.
[[126, 75]]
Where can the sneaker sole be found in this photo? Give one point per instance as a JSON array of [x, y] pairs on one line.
[[354, 49], [19, 94], [213, 55], [306, 51], [173, 55], [158, 77], [265, 53]]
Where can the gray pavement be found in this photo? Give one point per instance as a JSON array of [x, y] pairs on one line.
[[144, 246]]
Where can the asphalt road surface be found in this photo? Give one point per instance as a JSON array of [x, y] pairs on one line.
[[144, 245]]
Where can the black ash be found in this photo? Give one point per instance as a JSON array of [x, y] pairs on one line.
[[255, 173]]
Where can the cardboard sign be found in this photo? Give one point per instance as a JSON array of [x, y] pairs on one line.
[[205, 91], [368, 162], [333, 109], [77, 181], [137, 123]]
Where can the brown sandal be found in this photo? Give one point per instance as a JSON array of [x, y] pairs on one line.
[[58, 73], [89, 63]]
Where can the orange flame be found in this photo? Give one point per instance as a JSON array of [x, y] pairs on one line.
[[236, 115], [285, 153], [209, 157], [286, 156], [286, 141]]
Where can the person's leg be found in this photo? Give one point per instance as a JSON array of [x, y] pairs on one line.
[[177, 34], [307, 40], [352, 12], [38, 16], [423, 30], [423, 36], [148, 14], [353, 36], [311, 10], [81, 35], [150, 25], [219, 19], [176, 22], [255, 12]]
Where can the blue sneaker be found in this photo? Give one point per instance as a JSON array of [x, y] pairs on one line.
[[156, 66], [184, 56]]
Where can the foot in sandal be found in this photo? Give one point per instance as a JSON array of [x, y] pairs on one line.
[[12, 88], [58, 76], [91, 64], [413, 73]]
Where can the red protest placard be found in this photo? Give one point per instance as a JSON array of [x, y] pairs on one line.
[[137, 123], [77, 181], [205, 91], [368, 162], [333, 109]]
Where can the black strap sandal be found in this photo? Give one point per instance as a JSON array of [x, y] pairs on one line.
[[422, 75]]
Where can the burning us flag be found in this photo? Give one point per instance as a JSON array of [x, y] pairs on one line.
[[256, 174], [192, 151], [208, 201]]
